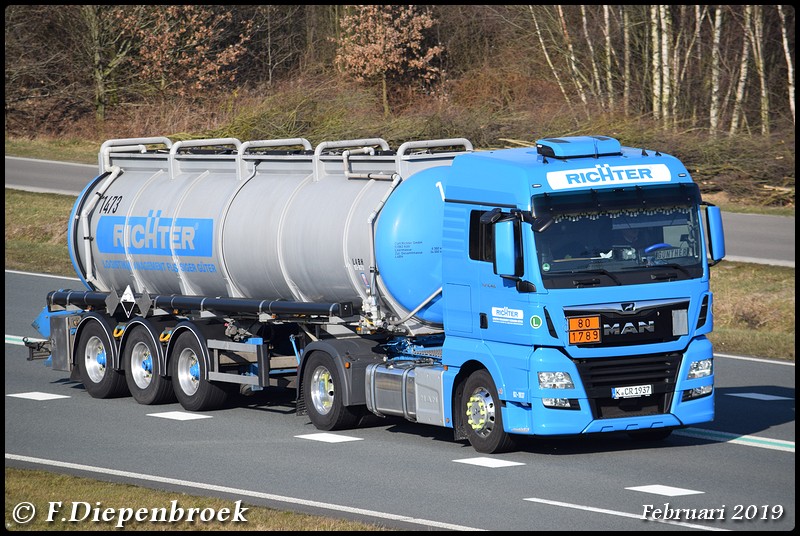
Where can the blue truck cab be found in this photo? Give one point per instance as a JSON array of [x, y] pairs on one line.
[[581, 330]]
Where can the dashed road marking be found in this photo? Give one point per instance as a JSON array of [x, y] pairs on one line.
[[179, 416], [37, 395]]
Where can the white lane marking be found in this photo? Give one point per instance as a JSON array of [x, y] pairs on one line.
[[738, 439], [668, 491], [329, 438], [37, 395], [759, 396], [51, 276], [241, 492], [488, 462], [179, 416], [640, 517], [756, 359]]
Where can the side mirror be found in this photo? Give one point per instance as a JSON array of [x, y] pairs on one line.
[[716, 235], [506, 249]]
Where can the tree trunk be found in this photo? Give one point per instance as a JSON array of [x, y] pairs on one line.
[[758, 56], [573, 63], [713, 112], [737, 103], [595, 85], [666, 78], [609, 51], [655, 35], [626, 39], [385, 94], [789, 66], [547, 56]]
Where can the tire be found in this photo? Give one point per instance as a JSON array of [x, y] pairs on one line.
[[188, 368], [656, 434], [93, 356], [322, 392], [146, 387], [484, 421]]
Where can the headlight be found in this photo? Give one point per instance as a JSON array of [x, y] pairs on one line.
[[700, 369], [555, 380]]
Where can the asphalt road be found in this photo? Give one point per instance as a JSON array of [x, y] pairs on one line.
[[748, 237], [404, 475]]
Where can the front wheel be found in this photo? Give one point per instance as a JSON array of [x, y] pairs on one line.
[[93, 358], [146, 386], [188, 370], [484, 419], [322, 392]]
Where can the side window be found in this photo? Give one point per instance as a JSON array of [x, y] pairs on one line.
[[481, 238]]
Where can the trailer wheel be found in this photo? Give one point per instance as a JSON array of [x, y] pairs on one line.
[[146, 386], [484, 421], [93, 358], [322, 389], [188, 369]]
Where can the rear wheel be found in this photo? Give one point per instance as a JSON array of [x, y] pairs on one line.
[[146, 386], [188, 370], [93, 358], [322, 392], [484, 420]]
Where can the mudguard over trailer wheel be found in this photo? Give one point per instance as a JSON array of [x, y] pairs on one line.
[[93, 358], [322, 392], [138, 358], [188, 370], [484, 419]]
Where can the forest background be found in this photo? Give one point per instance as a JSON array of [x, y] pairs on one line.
[[711, 84]]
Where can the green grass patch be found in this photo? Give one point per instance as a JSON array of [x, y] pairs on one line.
[[61, 150], [43, 489]]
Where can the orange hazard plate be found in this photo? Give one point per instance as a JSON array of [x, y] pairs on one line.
[[584, 329]]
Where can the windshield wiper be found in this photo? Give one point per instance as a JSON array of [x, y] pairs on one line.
[[671, 265], [594, 281]]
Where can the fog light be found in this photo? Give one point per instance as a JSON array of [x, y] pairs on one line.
[[556, 402], [697, 392], [700, 369], [555, 380]]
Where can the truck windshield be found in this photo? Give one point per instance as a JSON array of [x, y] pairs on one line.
[[651, 239]]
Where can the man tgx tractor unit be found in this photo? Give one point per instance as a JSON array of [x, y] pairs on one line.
[[485, 291]]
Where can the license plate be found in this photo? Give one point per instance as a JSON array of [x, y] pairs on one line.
[[584, 329], [633, 391]]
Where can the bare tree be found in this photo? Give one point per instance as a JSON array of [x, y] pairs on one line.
[[547, 55], [595, 85], [106, 47], [571, 58]]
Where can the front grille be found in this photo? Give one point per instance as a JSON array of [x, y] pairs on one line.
[[600, 376]]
